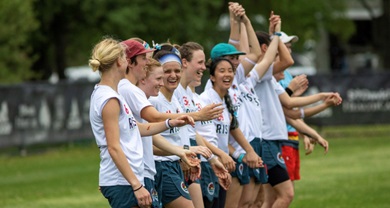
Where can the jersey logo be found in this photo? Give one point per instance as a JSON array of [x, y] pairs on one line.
[[154, 195], [199, 106], [241, 168], [184, 187], [185, 100], [280, 158], [210, 188]]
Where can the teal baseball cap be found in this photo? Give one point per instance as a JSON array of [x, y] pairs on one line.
[[224, 49]]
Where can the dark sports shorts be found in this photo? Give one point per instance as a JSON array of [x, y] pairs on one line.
[[170, 181], [209, 182], [119, 196]]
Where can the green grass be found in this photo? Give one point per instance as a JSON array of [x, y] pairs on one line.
[[353, 174], [62, 178]]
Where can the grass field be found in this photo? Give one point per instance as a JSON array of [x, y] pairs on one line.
[[355, 173]]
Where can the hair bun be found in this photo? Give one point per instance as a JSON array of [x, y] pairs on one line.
[[94, 64]]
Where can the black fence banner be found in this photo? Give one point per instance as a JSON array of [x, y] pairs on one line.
[[366, 99], [34, 113]]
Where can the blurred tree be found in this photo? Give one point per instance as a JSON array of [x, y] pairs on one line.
[[17, 20], [302, 17], [69, 28]]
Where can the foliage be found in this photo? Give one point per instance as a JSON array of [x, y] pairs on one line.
[[304, 17], [68, 29], [17, 20]]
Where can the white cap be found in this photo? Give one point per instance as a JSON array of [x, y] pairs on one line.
[[288, 39]]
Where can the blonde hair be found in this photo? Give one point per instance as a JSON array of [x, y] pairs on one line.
[[152, 63], [105, 53]]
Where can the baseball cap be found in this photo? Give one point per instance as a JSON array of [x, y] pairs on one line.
[[135, 48], [224, 49], [288, 39]]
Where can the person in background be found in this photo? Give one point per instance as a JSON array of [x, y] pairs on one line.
[[290, 148]]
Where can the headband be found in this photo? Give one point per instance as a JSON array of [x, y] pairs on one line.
[[168, 58]]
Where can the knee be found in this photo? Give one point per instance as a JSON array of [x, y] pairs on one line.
[[288, 197]]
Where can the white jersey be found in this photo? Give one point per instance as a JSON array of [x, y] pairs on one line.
[[251, 119], [205, 128], [177, 136], [137, 101], [222, 123], [187, 103], [130, 138], [268, 91]]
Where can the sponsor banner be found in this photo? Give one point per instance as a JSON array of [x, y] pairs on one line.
[[34, 113], [366, 99]]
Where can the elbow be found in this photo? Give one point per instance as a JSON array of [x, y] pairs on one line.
[[290, 62]]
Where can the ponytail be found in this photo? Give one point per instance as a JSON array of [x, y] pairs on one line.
[[230, 107]]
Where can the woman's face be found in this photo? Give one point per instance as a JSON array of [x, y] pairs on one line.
[[154, 81], [123, 65], [195, 68], [223, 76], [139, 67], [172, 75], [234, 59]]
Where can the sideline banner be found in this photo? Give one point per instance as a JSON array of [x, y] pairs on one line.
[[366, 99], [33, 113]]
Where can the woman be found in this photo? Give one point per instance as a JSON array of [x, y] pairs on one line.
[[170, 179], [222, 75], [116, 131]]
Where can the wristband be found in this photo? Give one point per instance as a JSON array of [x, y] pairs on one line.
[[236, 154], [302, 112], [167, 123], [211, 157], [250, 61], [234, 41], [278, 34], [242, 155], [138, 188], [289, 91], [186, 147]]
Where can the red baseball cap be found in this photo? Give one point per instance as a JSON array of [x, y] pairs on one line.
[[135, 48]]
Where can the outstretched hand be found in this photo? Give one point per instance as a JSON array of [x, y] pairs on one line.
[[218, 168], [204, 151], [189, 157], [211, 111], [309, 144], [182, 121], [299, 84]]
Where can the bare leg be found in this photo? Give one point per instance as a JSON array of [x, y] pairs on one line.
[[247, 194], [233, 195], [180, 202], [196, 195]]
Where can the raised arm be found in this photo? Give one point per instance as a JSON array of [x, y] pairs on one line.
[[254, 52], [269, 56], [284, 60]]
